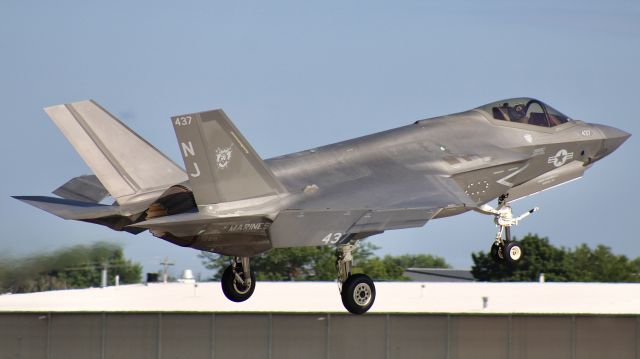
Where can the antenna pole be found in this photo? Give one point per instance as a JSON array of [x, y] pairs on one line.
[[165, 267]]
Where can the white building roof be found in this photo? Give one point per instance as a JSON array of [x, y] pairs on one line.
[[403, 297]]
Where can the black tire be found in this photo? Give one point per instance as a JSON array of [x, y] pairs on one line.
[[233, 290], [513, 252], [497, 253], [358, 293]]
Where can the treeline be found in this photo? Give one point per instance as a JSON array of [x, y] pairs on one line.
[[75, 267], [319, 264], [558, 264], [81, 266]]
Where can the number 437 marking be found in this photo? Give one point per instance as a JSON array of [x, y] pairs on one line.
[[332, 238], [182, 121]]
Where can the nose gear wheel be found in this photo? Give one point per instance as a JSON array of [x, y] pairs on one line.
[[513, 252]]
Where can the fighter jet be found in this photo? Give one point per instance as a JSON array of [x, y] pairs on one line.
[[228, 200]]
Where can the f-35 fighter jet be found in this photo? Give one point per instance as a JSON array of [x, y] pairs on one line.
[[228, 200]]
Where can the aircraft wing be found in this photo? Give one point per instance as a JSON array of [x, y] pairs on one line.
[[355, 209], [393, 191]]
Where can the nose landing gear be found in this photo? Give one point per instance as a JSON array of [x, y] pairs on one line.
[[503, 248]]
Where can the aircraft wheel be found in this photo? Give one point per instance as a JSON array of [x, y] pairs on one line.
[[497, 252], [513, 252], [358, 293], [234, 290]]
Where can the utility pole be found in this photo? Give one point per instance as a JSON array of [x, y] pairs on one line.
[[165, 266], [104, 275]]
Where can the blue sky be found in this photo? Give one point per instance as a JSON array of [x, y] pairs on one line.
[[294, 75]]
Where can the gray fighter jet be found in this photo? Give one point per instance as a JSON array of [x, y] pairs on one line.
[[228, 200]]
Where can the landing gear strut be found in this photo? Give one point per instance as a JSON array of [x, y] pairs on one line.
[[357, 290], [238, 281], [504, 249]]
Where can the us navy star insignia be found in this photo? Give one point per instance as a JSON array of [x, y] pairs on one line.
[[560, 158]]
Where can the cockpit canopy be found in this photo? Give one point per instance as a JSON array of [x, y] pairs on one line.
[[526, 111]]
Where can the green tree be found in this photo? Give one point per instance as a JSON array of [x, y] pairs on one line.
[[75, 267], [558, 264], [417, 261], [392, 267], [636, 266], [282, 264], [318, 263], [600, 265]]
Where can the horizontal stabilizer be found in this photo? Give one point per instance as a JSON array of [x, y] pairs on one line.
[[70, 209], [221, 165], [127, 165], [83, 188]]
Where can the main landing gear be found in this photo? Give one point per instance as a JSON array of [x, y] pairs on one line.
[[357, 290], [238, 281], [503, 248]]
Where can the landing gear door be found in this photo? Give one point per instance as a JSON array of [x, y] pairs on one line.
[[305, 228]]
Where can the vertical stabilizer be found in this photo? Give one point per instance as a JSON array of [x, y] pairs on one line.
[[127, 165], [221, 165]]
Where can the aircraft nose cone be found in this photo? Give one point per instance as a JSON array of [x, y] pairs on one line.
[[613, 137]]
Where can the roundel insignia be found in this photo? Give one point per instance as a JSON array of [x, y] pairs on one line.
[[560, 158]]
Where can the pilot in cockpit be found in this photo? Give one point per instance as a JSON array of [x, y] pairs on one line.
[[518, 113], [526, 111]]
